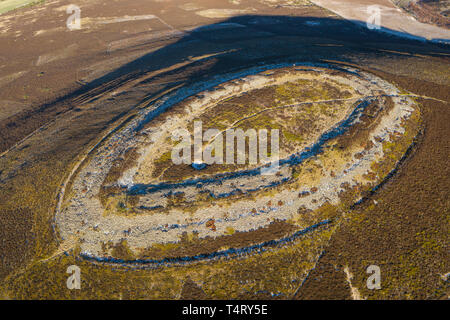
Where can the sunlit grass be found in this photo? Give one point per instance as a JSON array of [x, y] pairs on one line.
[[8, 5]]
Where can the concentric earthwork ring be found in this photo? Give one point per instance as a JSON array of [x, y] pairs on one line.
[[342, 131]]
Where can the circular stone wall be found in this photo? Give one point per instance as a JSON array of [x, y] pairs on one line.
[[341, 133]]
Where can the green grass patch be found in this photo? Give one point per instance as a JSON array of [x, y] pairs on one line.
[[9, 5]]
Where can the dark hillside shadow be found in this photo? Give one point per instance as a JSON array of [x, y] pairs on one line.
[[249, 40], [253, 40]]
